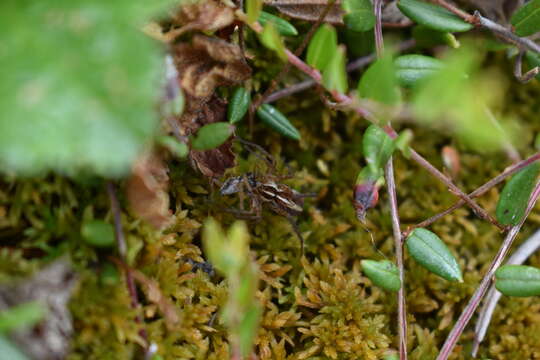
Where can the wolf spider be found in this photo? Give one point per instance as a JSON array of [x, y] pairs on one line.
[[265, 190]]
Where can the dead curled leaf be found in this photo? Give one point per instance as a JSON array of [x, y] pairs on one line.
[[202, 66], [147, 191]]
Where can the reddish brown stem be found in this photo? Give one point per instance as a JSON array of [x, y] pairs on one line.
[[478, 192]]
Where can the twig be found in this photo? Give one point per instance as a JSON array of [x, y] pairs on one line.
[[468, 312], [352, 66], [379, 44], [529, 75], [402, 311], [122, 250], [478, 192], [522, 253], [478, 20]]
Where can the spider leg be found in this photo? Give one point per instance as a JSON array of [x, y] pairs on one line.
[[294, 226]]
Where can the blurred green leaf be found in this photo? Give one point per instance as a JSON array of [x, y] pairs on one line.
[[210, 136], [178, 148], [284, 27], [109, 275], [458, 97], [335, 74], [10, 351], [253, 9], [429, 250], [402, 142], [277, 121], [238, 105], [322, 47], [526, 20], [98, 233], [272, 40], [382, 273], [379, 82], [433, 16], [378, 147], [427, 37], [226, 253], [514, 198], [359, 15], [20, 316], [518, 280], [410, 69], [79, 85]]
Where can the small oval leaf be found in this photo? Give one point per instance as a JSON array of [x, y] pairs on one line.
[[410, 69], [238, 105], [382, 273], [515, 195], [277, 121], [335, 73], [518, 280], [359, 15], [284, 27], [533, 60], [98, 233], [377, 147], [211, 136], [178, 148], [430, 251], [526, 19], [433, 16], [379, 82], [321, 47]]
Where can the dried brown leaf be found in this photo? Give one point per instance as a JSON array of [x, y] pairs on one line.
[[147, 191]]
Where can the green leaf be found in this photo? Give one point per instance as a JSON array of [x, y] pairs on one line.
[[225, 256], [277, 121], [378, 147], [335, 74], [429, 250], [178, 148], [534, 60], [271, 39], [253, 10], [433, 16], [526, 20], [284, 27], [20, 316], [10, 351], [109, 275], [402, 142], [382, 273], [238, 105], [79, 85], [359, 15], [426, 37], [379, 82], [98, 233], [518, 280], [211, 136], [515, 195], [410, 69], [321, 47]]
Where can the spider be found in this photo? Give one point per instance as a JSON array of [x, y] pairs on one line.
[[265, 190]]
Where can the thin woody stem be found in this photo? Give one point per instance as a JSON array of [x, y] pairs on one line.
[[469, 310], [478, 20], [398, 243], [122, 250], [478, 192]]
